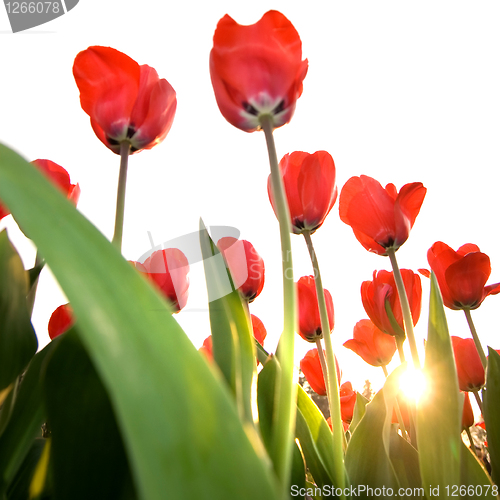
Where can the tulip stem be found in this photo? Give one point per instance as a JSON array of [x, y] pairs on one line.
[[324, 369], [478, 400], [286, 390], [399, 344], [120, 197], [30, 298], [339, 440], [405, 307], [477, 342]]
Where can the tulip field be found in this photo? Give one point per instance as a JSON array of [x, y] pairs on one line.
[[121, 404]]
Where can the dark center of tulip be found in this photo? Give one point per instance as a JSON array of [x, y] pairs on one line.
[[252, 110]]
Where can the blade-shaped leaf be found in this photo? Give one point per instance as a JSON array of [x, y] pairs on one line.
[[367, 460], [439, 410], [179, 423], [315, 438], [18, 341], [491, 408], [26, 420], [87, 456], [233, 345]]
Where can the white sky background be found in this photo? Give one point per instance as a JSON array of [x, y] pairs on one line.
[[400, 91]]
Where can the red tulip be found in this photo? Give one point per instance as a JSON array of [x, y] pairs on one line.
[[245, 265], [257, 70], [168, 269], [467, 413], [347, 401], [309, 318], [374, 295], [373, 345], [310, 188], [60, 321], [470, 370], [380, 218], [59, 176], [125, 101], [311, 368], [259, 330], [461, 275], [206, 348]]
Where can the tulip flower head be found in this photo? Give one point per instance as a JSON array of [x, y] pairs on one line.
[[310, 188], [470, 370], [347, 401], [381, 293], [125, 101], [381, 218], [259, 330], [309, 317], [61, 321], [372, 344], [310, 365], [59, 177], [206, 348], [168, 269], [461, 275], [245, 265], [257, 70]]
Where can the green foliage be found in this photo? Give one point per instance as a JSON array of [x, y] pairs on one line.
[[18, 341], [439, 412], [491, 404], [172, 410]]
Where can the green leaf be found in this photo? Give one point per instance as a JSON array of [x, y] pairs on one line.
[[233, 345], [404, 458], [18, 341], [178, 422], [26, 420], [20, 487], [315, 438], [439, 410], [359, 411], [367, 459], [87, 456], [473, 475], [491, 408]]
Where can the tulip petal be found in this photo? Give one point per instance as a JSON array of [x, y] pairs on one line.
[[466, 279], [154, 109], [108, 81]]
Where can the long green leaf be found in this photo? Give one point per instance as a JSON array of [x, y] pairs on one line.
[[233, 344], [491, 407], [87, 456], [26, 420], [439, 411], [180, 427], [368, 462], [18, 341]]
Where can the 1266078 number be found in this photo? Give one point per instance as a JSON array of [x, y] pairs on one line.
[[33, 7]]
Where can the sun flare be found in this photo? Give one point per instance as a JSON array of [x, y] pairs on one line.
[[413, 384]]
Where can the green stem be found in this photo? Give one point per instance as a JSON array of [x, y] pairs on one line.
[[339, 440], [478, 400], [30, 298], [472, 328], [286, 395], [399, 344], [405, 307], [471, 441], [120, 197], [324, 369]]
